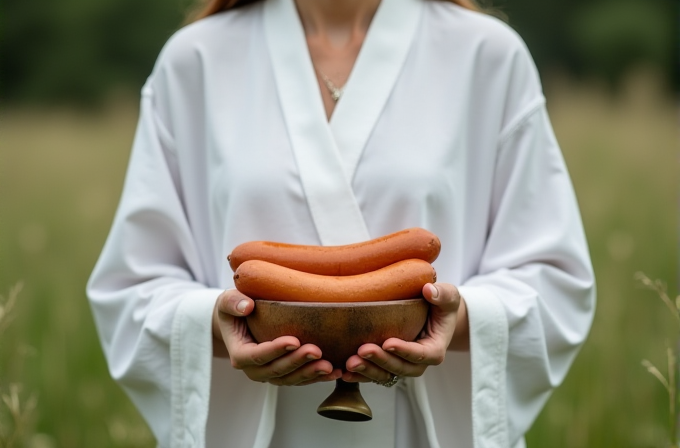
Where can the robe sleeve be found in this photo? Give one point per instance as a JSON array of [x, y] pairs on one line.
[[532, 302], [149, 296]]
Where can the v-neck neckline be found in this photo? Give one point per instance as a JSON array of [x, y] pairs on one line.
[[371, 79], [336, 55], [373, 76], [327, 152]]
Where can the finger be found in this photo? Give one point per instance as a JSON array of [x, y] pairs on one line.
[[356, 366], [393, 365], [252, 354], [309, 371], [367, 371], [443, 295], [334, 375], [379, 365], [289, 363], [234, 303], [352, 377], [424, 351]]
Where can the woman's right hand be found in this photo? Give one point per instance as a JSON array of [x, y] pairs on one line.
[[282, 362]]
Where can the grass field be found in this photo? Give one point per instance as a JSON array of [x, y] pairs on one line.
[[60, 177]]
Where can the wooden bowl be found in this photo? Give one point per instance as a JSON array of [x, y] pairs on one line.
[[339, 329]]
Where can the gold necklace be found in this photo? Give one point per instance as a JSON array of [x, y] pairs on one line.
[[335, 91]]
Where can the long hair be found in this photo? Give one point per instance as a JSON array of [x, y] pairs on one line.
[[209, 7]]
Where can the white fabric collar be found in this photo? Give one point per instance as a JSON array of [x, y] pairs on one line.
[[327, 154], [373, 77]]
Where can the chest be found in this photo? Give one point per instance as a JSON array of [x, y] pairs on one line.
[[414, 160]]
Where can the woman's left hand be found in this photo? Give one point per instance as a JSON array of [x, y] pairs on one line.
[[446, 328]]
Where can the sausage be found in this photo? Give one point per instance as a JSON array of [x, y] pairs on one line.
[[401, 280], [351, 259]]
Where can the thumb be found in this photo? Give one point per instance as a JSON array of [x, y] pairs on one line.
[[442, 295], [234, 303]]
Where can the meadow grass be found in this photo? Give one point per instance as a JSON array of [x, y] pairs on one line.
[[16, 410], [622, 153], [60, 178]]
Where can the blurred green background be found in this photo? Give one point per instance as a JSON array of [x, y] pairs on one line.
[[69, 78]]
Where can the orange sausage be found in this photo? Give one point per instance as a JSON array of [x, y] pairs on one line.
[[351, 259], [402, 280]]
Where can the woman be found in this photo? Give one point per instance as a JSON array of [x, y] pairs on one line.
[[320, 122]]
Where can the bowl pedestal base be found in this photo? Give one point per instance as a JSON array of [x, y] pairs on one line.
[[345, 403]]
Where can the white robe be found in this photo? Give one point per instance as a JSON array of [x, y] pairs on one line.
[[442, 125]]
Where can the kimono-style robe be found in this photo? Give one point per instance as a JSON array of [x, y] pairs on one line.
[[442, 125]]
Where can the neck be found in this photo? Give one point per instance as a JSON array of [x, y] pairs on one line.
[[336, 20]]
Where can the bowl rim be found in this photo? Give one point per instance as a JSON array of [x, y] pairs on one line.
[[339, 304]]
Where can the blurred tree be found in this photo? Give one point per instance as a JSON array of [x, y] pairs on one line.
[[541, 25], [602, 38], [78, 50], [612, 36]]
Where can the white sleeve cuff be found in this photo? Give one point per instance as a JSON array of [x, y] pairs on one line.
[[488, 353], [191, 357]]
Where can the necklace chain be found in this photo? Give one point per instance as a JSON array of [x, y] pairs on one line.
[[335, 91]]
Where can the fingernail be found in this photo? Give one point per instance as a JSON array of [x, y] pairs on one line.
[[390, 349], [241, 307], [368, 356], [434, 291], [312, 357], [322, 372], [359, 368], [290, 348]]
